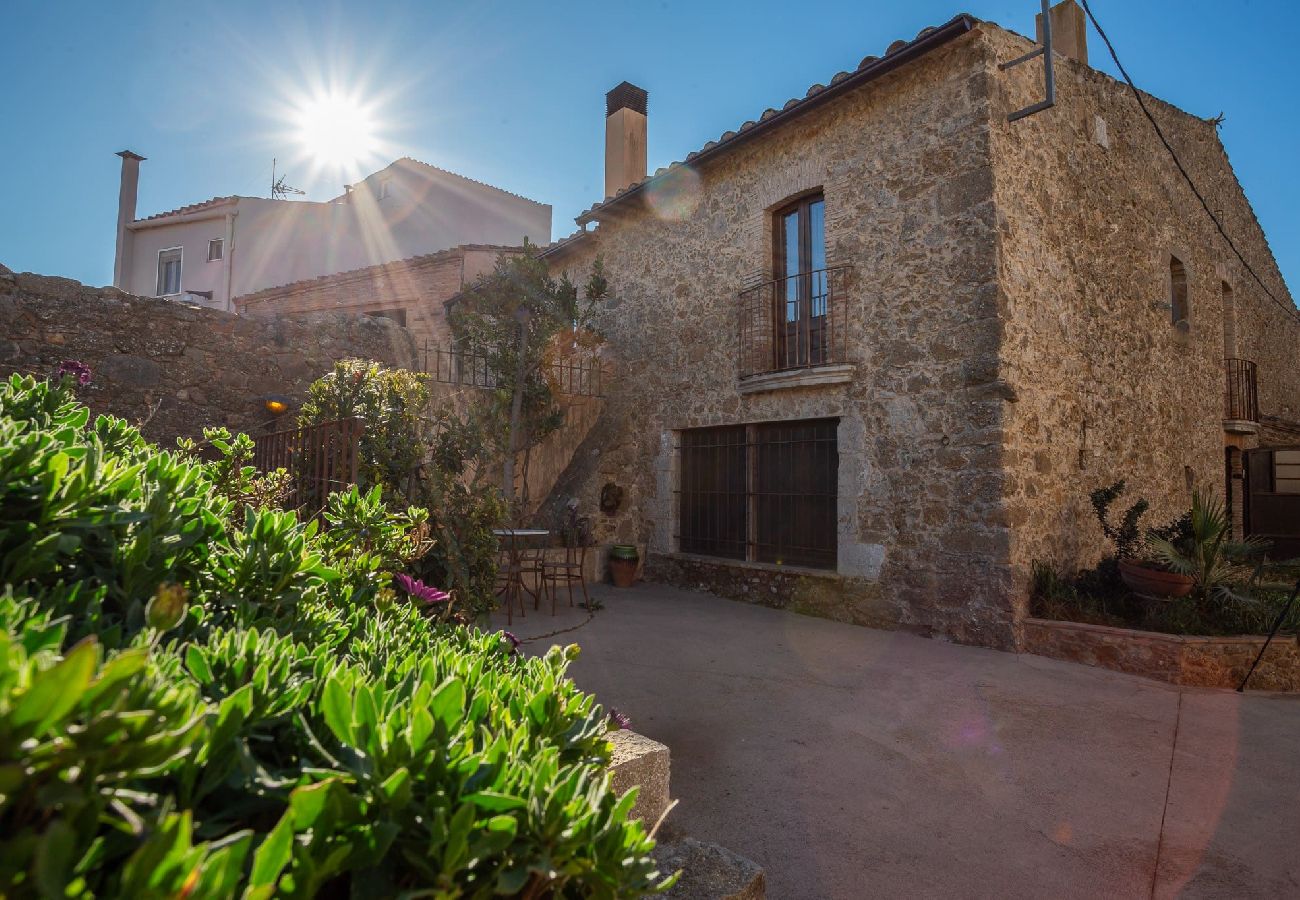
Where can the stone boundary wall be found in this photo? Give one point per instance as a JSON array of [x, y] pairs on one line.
[[176, 368], [1186, 660]]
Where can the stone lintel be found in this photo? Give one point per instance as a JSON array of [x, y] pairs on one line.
[[798, 378]]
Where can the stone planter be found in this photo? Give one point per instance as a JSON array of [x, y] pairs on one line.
[[1188, 660], [1153, 582]]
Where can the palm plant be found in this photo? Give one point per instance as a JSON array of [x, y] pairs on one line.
[[1219, 565]]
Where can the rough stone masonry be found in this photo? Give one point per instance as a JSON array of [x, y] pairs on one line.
[[1010, 331], [176, 368]]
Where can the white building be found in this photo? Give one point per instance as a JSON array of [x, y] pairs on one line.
[[211, 252]]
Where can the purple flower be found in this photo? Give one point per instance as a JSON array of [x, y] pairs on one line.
[[514, 642], [618, 720], [421, 591], [78, 371]]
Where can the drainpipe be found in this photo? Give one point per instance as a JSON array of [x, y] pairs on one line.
[[229, 264]]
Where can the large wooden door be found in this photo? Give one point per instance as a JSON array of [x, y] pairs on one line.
[[1272, 498]]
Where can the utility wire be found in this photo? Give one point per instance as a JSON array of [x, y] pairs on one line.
[[1287, 307]]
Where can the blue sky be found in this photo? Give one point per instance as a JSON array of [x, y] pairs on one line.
[[513, 93]]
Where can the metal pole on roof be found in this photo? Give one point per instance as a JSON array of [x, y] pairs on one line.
[[1049, 75]]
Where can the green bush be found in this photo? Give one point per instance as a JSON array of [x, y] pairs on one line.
[[434, 458], [190, 707]]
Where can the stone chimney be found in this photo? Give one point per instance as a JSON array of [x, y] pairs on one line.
[[625, 137], [125, 214], [1069, 30]]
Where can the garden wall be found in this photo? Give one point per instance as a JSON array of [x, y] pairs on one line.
[[177, 368], [1190, 661]]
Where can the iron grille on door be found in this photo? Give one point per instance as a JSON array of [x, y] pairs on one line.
[[765, 492]]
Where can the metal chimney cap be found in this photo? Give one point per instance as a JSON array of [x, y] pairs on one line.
[[130, 154], [626, 96]]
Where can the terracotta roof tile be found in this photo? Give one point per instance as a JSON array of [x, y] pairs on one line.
[[449, 253], [866, 69], [191, 208]]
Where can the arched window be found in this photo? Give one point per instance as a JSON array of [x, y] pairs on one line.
[[1178, 292]]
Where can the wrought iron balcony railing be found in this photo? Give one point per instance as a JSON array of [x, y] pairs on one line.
[[796, 322], [1241, 401], [575, 376]]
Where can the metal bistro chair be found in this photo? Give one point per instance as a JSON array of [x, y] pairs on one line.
[[516, 562], [572, 569]]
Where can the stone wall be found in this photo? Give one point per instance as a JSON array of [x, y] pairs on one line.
[[412, 289], [1090, 209], [1190, 661], [176, 368], [904, 166]]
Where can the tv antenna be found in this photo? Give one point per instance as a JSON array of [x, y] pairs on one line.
[[280, 190]]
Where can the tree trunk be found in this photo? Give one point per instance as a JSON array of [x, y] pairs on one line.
[[516, 408]]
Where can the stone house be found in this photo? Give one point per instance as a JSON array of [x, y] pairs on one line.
[[212, 252], [876, 347], [412, 292]]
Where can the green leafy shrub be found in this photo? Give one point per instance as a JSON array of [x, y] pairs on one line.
[[195, 707], [392, 403], [435, 459]]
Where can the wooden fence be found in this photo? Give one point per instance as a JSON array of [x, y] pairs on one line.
[[319, 459]]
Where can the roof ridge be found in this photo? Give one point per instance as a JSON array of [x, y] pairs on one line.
[[190, 207], [460, 176], [792, 107]]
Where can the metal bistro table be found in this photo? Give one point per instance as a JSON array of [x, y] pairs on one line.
[[516, 542]]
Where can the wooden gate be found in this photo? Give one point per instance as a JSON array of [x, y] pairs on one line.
[[320, 459], [1271, 508]]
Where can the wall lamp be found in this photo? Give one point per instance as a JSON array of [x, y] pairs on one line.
[[277, 404]]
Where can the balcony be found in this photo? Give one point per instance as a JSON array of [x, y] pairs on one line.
[[792, 331], [1241, 398]]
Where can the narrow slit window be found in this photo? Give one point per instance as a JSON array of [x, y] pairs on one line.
[[1178, 305]]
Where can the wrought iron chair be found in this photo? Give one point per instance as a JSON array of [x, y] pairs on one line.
[[572, 568]]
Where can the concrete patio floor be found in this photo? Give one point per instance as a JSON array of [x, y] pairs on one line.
[[854, 763]]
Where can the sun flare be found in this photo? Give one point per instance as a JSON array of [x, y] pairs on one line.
[[336, 130]]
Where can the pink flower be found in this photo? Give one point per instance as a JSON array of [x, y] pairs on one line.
[[421, 591]]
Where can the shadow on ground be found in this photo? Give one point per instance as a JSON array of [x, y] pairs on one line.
[[850, 762]]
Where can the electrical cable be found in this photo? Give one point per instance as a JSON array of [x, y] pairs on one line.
[[1289, 308]]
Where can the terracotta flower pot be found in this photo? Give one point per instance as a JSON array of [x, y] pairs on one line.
[[623, 561], [1143, 579]]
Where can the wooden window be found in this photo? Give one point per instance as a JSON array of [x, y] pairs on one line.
[[802, 290], [766, 492], [1178, 304], [712, 505], [169, 271], [1286, 471]]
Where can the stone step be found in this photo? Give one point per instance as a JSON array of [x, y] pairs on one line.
[[709, 872]]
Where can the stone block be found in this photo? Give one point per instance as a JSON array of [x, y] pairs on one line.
[[710, 872], [642, 763]]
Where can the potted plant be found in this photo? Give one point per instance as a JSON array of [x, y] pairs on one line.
[[1208, 558], [623, 560], [1143, 572]]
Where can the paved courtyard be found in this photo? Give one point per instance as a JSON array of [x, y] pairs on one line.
[[854, 763]]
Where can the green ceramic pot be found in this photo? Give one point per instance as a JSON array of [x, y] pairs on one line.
[[624, 551]]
